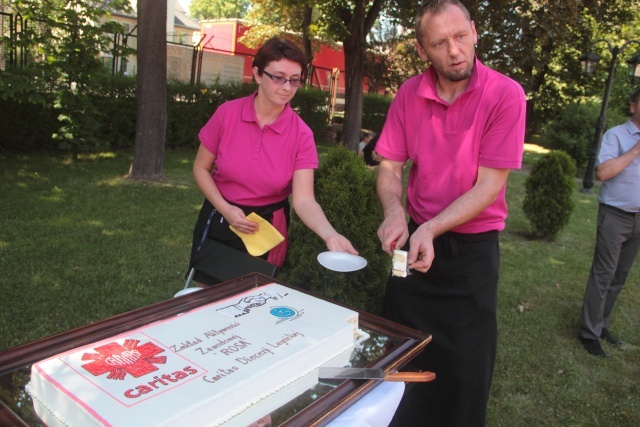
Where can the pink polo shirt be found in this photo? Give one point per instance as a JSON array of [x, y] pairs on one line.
[[448, 142], [254, 167]]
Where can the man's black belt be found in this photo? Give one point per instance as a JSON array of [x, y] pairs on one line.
[[462, 237], [622, 211]]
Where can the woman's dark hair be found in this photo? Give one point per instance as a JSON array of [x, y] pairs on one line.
[[276, 49], [367, 151]]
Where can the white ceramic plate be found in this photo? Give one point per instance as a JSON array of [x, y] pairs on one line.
[[186, 291], [341, 261]]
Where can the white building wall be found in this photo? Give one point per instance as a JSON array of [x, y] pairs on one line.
[[216, 68]]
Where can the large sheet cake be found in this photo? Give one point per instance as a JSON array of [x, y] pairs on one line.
[[208, 366]]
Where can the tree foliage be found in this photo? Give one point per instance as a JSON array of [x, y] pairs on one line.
[[332, 21], [297, 19], [572, 130], [61, 41], [535, 42], [219, 9], [538, 42], [391, 57]]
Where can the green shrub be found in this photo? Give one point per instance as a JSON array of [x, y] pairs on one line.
[[547, 203], [573, 130], [374, 111], [115, 98], [312, 106], [345, 189], [28, 121], [79, 122], [25, 126], [190, 107], [104, 116]]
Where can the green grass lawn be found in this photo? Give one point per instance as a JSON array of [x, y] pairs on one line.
[[78, 243]]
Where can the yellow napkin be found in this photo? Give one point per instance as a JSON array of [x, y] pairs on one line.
[[263, 240]]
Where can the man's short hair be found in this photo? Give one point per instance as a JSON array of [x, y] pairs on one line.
[[435, 7], [635, 96]]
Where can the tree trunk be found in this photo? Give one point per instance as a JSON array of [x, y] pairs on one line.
[[151, 121], [354, 68], [354, 53], [306, 39]]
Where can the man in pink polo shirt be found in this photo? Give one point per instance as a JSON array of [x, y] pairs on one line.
[[462, 125]]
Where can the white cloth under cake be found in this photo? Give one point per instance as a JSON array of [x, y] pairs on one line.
[[375, 409]]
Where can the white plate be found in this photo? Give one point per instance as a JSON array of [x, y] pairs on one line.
[[186, 291], [341, 261]]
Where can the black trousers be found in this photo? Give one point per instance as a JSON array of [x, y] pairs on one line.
[[455, 302]]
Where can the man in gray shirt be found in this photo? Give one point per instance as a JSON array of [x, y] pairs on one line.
[[618, 229]]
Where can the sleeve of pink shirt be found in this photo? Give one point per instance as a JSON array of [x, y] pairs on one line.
[[502, 146], [210, 133], [392, 143], [307, 156]]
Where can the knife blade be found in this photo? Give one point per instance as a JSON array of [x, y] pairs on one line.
[[374, 374]]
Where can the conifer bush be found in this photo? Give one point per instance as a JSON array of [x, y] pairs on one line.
[[345, 189], [548, 189]]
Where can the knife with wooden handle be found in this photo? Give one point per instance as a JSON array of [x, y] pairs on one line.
[[374, 374]]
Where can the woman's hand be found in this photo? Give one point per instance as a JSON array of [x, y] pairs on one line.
[[236, 218], [311, 214], [339, 243]]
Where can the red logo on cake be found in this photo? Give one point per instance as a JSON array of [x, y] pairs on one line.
[[120, 360]]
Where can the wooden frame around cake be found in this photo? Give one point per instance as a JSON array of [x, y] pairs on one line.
[[409, 343]]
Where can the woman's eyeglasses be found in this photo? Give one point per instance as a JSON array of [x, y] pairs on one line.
[[281, 80]]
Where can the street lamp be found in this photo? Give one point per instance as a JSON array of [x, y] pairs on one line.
[[588, 62], [634, 67]]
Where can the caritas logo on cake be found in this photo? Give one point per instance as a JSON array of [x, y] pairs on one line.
[[132, 369]]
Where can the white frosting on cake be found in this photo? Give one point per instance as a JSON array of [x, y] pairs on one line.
[[201, 368]]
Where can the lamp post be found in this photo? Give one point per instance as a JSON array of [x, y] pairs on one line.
[[634, 67], [588, 62]]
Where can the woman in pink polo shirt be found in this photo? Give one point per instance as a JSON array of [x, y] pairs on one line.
[[255, 152]]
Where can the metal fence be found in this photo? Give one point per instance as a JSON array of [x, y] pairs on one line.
[[13, 28], [185, 63]]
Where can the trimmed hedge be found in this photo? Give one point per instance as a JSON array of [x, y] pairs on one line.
[[312, 105], [114, 101], [374, 111], [345, 189], [27, 127], [547, 203], [190, 107], [115, 98]]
